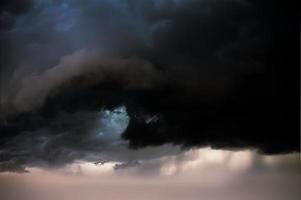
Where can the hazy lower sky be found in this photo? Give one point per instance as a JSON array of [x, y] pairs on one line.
[[196, 174]]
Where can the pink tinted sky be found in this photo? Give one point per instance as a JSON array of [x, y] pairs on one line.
[[193, 175]]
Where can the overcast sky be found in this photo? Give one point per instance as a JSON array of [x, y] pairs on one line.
[[137, 87]]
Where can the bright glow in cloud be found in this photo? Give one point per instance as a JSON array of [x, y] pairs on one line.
[[113, 123], [204, 158]]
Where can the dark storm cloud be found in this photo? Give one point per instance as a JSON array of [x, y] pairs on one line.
[[10, 9], [53, 138], [54, 145], [92, 69], [194, 73]]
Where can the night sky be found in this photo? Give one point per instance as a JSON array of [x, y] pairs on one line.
[[138, 92]]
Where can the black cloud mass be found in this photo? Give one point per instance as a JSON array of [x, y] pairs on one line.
[[221, 73]]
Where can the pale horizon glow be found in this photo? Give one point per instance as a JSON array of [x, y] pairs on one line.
[[205, 172]]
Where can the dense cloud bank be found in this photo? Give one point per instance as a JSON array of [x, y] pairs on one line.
[[195, 73]]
